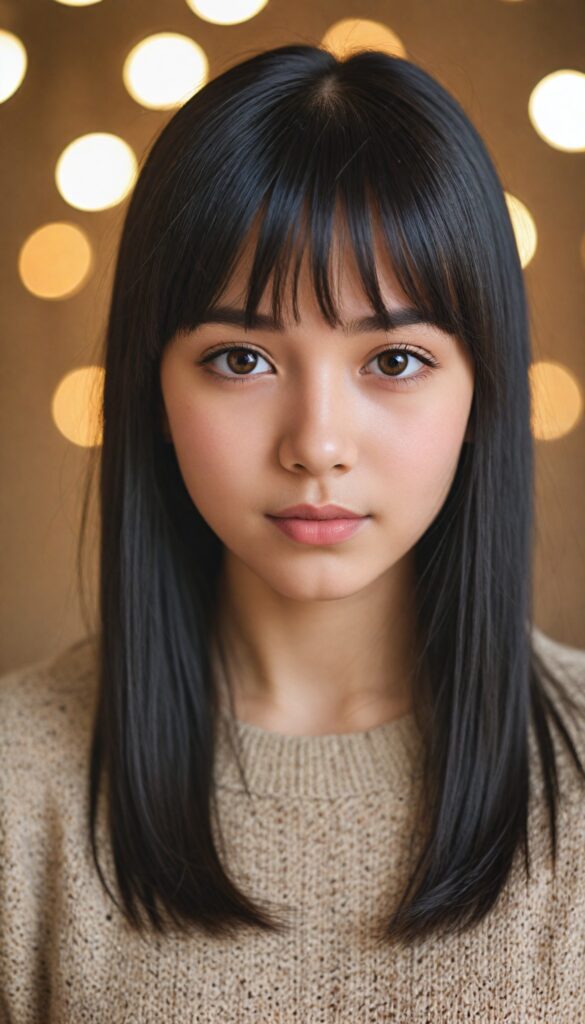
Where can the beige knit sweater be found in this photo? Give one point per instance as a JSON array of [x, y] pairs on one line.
[[327, 839]]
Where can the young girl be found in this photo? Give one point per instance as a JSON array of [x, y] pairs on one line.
[[315, 763]]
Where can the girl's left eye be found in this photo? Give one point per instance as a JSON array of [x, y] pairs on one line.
[[388, 355]]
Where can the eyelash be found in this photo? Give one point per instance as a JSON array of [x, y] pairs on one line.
[[431, 364]]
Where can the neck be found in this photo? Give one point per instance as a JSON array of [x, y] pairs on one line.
[[317, 666]]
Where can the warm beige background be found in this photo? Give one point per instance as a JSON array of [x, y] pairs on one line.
[[489, 53]]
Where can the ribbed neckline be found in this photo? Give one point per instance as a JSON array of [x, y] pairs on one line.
[[384, 757]]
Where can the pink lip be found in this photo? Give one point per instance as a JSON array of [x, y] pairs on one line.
[[316, 512], [319, 531]]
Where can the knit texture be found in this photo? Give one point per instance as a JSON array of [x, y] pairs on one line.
[[326, 835]]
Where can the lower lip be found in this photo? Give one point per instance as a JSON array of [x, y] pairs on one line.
[[319, 531]]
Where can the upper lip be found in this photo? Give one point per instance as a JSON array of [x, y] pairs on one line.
[[316, 512]]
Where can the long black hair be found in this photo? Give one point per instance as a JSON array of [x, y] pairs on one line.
[[275, 142]]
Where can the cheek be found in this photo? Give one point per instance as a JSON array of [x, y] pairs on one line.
[[420, 460], [218, 461]]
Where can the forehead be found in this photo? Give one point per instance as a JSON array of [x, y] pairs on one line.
[[348, 294]]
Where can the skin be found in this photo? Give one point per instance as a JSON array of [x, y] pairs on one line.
[[321, 638]]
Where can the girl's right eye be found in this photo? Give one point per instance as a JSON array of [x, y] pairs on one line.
[[241, 359]]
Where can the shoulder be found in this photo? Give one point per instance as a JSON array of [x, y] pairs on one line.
[[566, 662], [564, 684], [46, 708]]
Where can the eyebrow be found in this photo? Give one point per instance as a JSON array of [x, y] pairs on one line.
[[390, 320]]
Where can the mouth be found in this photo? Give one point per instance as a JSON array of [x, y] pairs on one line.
[[321, 512], [319, 532]]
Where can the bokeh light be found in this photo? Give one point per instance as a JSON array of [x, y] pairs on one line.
[[76, 406], [13, 64], [556, 109], [226, 12], [96, 171], [557, 401], [524, 228], [164, 70], [349, 34], [55, 260]]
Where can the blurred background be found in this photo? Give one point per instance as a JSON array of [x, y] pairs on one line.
[[86, 85]]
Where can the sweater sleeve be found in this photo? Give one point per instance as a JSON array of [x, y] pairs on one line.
[[25, 859]]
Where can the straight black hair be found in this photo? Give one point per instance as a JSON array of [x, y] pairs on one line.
[[275, 142]]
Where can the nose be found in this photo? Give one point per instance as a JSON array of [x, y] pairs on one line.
[[317, 432]]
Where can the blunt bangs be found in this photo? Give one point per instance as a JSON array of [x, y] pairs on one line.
[[349, 157]]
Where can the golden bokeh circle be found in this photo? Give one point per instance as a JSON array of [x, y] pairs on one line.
[[524, 228], [55, 260], [164, 70], [556, 109], [76, 406], [557, 400], [96, 171], [13, 64], [350, 35], [226, 12]]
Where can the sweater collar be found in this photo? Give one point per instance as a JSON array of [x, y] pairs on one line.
[[382, 758]]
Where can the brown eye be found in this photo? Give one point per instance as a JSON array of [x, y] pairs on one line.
[[394, 363], [395, 360], [240, 359]]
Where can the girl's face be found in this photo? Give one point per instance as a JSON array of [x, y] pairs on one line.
[[312, 415]]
